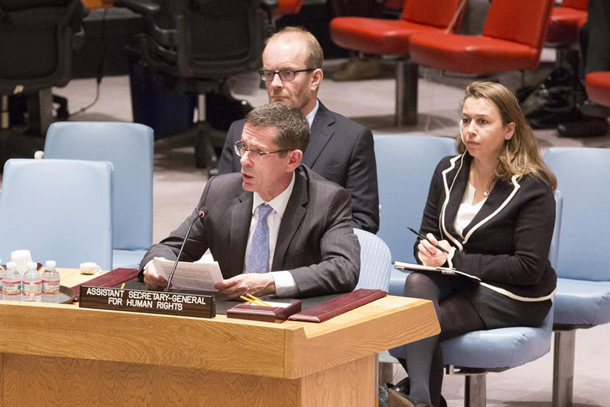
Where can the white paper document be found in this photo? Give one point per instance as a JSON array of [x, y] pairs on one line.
[[191, 276], [444, 270]]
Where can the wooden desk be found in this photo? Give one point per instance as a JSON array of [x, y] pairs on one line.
[[98, 3], [60, 355]]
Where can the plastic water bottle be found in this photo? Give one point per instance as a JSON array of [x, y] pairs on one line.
[[50, 283], [12, 282], [32, 284]]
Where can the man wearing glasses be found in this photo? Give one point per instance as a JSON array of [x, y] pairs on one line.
[[275, 215], [340, 150]]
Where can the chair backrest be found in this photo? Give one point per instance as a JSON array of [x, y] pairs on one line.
[[522, 21], [583, 176], [129, 147], [288, 7], [375, 262], [405, 165], [554, 249], [437, 13], [577, 4], [36, 43], [217, 38], [58, 209]]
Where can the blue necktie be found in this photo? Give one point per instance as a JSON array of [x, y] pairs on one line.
[[258, 254]]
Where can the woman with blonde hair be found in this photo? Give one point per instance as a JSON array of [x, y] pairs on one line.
[[492, 209]]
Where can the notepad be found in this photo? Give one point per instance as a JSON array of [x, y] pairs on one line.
[[443, 270]]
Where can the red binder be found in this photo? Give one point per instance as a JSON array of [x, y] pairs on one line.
[[110, 279], [338, 305]]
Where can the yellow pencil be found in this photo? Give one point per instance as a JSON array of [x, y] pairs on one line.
[[258, 300], [249, 300], [122, 286]]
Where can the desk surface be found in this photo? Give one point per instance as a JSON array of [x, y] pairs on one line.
[[287, 350], [102, 358]]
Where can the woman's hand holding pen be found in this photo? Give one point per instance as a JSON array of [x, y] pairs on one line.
[[430, 255]]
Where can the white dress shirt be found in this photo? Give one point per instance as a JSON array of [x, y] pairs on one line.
[[312, 114], [285, 286]]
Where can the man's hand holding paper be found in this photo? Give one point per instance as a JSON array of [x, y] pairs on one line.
[[252, 283]]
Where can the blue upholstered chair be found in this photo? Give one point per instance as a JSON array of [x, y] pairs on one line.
[[405, 165], [476, 353], [375, 261], [583, 291], [375, 268], [58, 209], [129, 147]]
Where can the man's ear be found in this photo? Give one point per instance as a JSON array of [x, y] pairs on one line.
[[294, 159], [316, 78]]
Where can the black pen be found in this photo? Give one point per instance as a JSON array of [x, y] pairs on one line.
[[426, 239]]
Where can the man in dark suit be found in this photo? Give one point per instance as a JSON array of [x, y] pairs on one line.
[[274, 215], [340, 150]]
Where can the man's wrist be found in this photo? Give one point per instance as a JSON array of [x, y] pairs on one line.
[[284, 284]]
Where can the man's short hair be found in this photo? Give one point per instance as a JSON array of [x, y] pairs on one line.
[[292, 126], [315, 55]]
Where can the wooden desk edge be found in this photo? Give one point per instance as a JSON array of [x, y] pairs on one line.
[[284, 361]]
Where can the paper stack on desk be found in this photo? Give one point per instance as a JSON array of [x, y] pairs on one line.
[[190, 276]]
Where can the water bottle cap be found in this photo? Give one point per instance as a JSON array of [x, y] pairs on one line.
[[31, 265], [51, 264], [11, 265]]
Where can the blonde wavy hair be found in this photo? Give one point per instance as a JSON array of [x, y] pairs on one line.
[[520, 155]]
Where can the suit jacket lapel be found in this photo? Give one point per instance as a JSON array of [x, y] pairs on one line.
[[321, 133], [241, 216], [293, 217], [455, 197]]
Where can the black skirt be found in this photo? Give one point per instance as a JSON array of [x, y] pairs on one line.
[[500, 311]]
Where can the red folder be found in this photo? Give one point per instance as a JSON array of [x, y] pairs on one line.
[[346, 302], [110, 279]]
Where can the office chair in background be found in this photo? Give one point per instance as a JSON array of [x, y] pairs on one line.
[[37, 38], [58, 209], [203, 43], [129, 147]]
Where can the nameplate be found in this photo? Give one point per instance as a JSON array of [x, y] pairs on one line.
[[153, 302]]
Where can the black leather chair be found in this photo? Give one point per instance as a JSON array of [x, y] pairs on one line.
[[195, 45], [37, 38]]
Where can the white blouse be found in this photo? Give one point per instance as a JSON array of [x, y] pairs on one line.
[[467, 211]]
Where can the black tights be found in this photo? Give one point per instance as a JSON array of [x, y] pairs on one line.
[[456, 316]]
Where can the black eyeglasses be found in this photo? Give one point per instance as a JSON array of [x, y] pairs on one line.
[[255, 155], [285, 74]]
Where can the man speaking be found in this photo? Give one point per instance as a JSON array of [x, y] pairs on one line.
[[276, 227]]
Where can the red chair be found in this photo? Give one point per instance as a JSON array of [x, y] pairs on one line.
[[392, 37], [598, 87], [512, 39], [567, 20], [564, 27], [288, 7]]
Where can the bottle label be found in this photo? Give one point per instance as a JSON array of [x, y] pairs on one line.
[[32, 289], [50, 287], [11, 288]]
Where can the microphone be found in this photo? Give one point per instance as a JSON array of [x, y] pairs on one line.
[[201, 214]]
